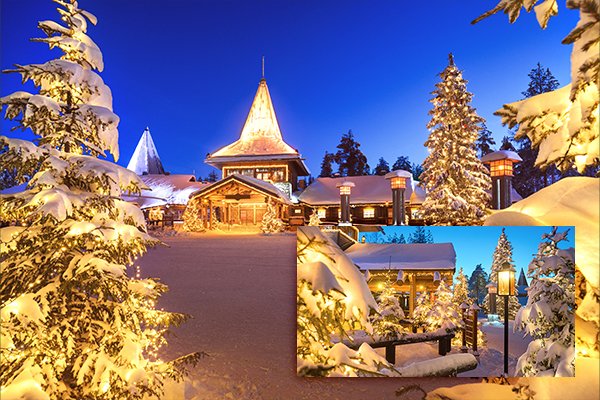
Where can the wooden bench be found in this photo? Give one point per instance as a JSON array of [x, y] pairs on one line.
[[443, 338]]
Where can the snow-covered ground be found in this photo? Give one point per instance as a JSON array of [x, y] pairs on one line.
[[241, 293]]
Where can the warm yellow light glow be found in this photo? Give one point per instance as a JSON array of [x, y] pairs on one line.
[[345, 190], [369, 212], [321, 213], [501, 168], [398, 182], [506, 282]]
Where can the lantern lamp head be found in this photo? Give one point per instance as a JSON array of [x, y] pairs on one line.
[[398, 178], [345, 187], [492, 288], [506, 280], [501, 162]]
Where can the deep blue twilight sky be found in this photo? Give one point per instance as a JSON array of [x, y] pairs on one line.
[[475, 244], [189, 69]]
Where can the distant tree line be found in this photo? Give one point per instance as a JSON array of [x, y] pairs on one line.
[[351, 161]]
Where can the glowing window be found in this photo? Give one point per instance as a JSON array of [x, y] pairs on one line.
[[321, 213], [369, 212]]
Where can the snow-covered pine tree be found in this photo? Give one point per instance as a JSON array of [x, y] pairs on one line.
[[548, 316], [443, 313], [270, 222], [460, 291], [74, 324], [564, 123], [422, 308], [456, 181], [386, 323], [502, 254], [314, 219]]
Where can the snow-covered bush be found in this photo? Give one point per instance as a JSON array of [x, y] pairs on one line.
[[270, 222], [548, 316], [73, 323], [332, 299], [422, 308], [456, 181], [314, 219], [502, 254], [443, 313], [562, 124], [386, 322]]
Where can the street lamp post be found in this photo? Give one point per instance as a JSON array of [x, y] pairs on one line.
[[398, 180], [501, 170], [345, 190], [492, 291], [506, 288]]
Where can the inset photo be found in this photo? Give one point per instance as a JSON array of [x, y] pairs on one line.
[[424, 301]]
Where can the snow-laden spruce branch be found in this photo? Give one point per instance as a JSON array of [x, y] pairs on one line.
[[74, 324], [562, 124]]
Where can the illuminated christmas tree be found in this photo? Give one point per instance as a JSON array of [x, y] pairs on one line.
[[74, 324], [548, 316], [270, 222], [386, 323], [502, 255], [456, 181], [192, 221]]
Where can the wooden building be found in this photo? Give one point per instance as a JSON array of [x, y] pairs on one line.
[[415, 267], [260, 152], [238, 200], [370, 200]]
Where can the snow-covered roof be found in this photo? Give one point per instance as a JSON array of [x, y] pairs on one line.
[[166, 189], [250, 181], [501, 155], [367, 189], [145, 159], [261, 133], [411, 256]]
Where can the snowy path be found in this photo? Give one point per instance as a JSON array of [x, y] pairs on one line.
[[241, 290], [491, 359]]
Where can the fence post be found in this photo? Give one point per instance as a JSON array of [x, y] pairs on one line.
[[475, 308]]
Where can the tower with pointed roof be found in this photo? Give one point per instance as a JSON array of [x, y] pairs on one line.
[[260, 152], [145, 159]]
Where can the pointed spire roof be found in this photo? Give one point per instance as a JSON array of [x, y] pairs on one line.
[[145, 159], [522, 279], [261, 134]]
